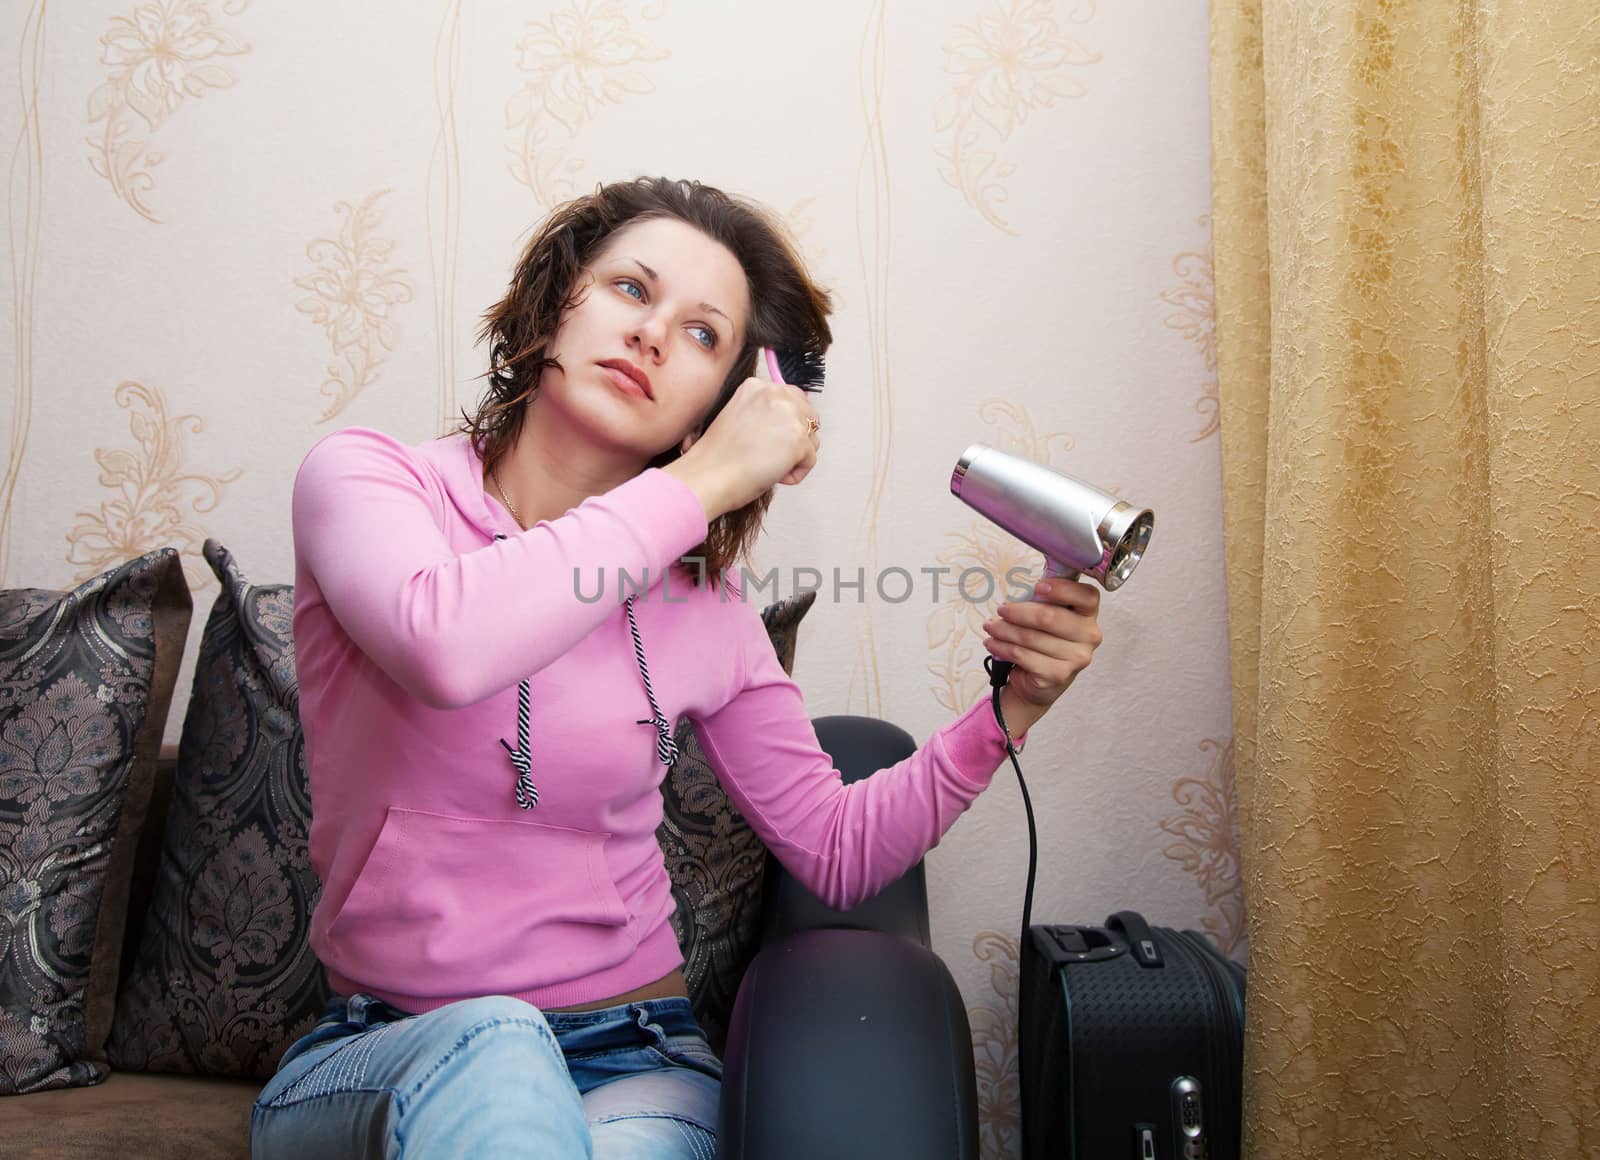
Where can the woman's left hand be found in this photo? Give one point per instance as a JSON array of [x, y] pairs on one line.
[[1050, 639]]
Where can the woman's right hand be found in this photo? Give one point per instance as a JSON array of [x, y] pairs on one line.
[[761, 438]]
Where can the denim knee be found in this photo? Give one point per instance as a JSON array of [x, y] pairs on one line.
[[481, 1077], [496, 1035], [466, 1017]]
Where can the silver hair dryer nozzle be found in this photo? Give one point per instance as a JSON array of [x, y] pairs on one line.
[[1080, 529]]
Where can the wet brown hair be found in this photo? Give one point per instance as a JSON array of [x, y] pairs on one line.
[[788, 311]]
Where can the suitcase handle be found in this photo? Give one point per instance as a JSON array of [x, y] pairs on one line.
[[1073, 944], [1141, 942]]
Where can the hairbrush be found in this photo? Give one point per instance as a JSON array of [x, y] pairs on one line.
[[798, 368]]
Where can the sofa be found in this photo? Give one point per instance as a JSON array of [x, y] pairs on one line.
[[156, 902]]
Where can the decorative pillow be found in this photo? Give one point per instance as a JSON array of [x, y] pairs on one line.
[[716, 861], [225, 979], [85, 684]]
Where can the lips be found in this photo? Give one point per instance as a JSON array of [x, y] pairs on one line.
[[632, 374]]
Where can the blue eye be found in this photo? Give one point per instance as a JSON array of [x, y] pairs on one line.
[[709, 341], [633, 289]]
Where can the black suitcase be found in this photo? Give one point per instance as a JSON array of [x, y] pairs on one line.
[[1131, 1043]]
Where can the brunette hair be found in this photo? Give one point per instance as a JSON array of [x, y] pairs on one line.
[[788, 311]]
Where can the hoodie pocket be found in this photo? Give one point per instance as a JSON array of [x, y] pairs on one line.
[[461, 906]]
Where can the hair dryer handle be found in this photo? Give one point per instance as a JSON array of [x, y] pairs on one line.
[[1054, 568], [1000, 671]]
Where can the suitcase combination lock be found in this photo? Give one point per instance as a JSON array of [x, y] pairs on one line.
[[1189, 1118]]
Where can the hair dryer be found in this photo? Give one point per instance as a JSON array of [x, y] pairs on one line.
[[1081, 530]]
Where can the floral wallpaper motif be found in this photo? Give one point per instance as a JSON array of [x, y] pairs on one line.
[[980, 559], [166, 52], [443, 202], [584, 57], [994, 1049], [1011, 60], [1196, 320], [800, 218], [25, 192], [351, 291], [150, 490], [1208, 846], [874, 222]]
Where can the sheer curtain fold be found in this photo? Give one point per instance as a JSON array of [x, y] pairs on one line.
[[1407, 256]]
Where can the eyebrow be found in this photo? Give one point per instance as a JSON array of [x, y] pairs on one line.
[[706, 306]]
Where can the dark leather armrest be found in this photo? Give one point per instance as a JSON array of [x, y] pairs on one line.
[[845, 1044], [859, 747]]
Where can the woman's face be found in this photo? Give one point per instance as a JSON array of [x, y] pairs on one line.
[[659, 321]]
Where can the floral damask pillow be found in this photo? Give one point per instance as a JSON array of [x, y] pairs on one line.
[[225, 980], [86, 680], [716, 861]]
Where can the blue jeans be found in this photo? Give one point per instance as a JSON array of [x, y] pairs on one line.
[[494, 1077]]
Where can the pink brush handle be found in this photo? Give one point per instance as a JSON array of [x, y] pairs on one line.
[[771, 360]]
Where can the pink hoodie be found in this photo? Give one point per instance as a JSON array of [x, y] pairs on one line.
[[413, 626]]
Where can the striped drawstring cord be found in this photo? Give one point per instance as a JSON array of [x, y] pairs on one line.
[[666, 747], [521, 756]]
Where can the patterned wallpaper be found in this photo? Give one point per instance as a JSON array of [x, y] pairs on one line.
[[234, 228]]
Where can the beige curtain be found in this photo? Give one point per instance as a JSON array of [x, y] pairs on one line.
[[1407, 217]]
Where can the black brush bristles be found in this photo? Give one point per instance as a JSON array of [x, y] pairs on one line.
[[801, 368]]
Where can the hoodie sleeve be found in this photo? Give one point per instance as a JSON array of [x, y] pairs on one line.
[[844, 842], [451, 629]]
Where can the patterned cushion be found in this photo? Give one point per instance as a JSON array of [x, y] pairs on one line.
[[224, 980], [716, 861], [85, 684]]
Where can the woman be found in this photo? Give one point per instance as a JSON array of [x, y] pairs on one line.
[[486, 747]]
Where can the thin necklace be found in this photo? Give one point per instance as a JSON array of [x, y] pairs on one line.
[[505, 499]]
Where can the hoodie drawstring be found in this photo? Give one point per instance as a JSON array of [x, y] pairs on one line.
[[522, 757], [666, 747]]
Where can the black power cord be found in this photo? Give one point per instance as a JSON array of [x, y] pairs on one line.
[[1000, 672]]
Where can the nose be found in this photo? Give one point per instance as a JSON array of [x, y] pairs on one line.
[[648, 335]]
